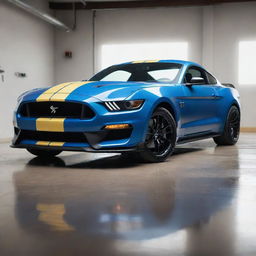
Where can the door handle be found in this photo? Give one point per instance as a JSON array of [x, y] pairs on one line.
[[214, 96]]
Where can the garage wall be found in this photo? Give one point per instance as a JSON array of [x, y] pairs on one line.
[[232, 24], [122, 26], [149, 25], [213, 34], [80, 42], [26, 45]]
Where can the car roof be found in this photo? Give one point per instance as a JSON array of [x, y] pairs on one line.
[[183, 62]]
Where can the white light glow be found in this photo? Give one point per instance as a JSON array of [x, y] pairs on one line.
[[247, 58], [119, 53]]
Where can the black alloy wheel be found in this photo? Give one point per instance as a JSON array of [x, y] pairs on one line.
[[231, 132], [161, 136]]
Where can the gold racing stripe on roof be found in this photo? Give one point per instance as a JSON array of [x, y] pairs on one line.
[[145, 61]]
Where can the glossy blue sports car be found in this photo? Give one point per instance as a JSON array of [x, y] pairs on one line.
[[141, 108]]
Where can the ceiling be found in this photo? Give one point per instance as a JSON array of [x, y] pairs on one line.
[[68, 1], [112, 4]]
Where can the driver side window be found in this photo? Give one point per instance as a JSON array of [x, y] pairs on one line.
[[195, 72]]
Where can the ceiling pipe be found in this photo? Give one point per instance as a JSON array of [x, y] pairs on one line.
[[42, 15], [83, 2], [111, 4]]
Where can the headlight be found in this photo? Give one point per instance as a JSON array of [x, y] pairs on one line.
[[123, 105]]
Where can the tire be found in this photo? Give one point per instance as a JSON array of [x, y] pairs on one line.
[[44, 153], [231, 132], [160, 138]]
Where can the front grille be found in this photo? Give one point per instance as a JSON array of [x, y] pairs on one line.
[[56, 109]]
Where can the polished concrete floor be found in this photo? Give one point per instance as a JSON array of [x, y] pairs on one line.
[[201, 202]]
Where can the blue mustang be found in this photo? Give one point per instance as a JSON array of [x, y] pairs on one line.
[[140, 108]]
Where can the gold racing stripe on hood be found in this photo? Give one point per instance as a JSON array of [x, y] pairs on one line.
[[45, 96], [60, 92]]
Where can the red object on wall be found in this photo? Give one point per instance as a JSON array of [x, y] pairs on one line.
[[68, 54]]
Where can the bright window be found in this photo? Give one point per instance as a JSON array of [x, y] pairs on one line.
[[118, 53], [247, 66]]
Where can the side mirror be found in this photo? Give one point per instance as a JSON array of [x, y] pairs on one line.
[[195, 81]]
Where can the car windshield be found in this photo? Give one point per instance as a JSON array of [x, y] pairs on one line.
[[140, 72]]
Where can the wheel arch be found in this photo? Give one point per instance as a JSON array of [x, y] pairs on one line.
[[169, 107], [233, 103], [227, 108], [236, 105]]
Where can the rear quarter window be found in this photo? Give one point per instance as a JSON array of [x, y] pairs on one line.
[[211, 79]]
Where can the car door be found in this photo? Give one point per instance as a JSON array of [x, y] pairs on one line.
[[199, 104]]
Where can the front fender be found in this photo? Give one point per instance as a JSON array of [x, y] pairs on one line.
[[155, 97]]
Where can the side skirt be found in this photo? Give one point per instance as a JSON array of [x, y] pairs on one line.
[[195, 138]]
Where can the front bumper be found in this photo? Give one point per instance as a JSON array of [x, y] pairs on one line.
[[56, 133], [81, 148]]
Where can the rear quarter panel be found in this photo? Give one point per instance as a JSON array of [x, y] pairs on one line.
[[228, 97]]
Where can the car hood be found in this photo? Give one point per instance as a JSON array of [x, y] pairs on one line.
[[101, 90]]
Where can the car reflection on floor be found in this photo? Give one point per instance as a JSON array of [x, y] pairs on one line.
[[77, 199]]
